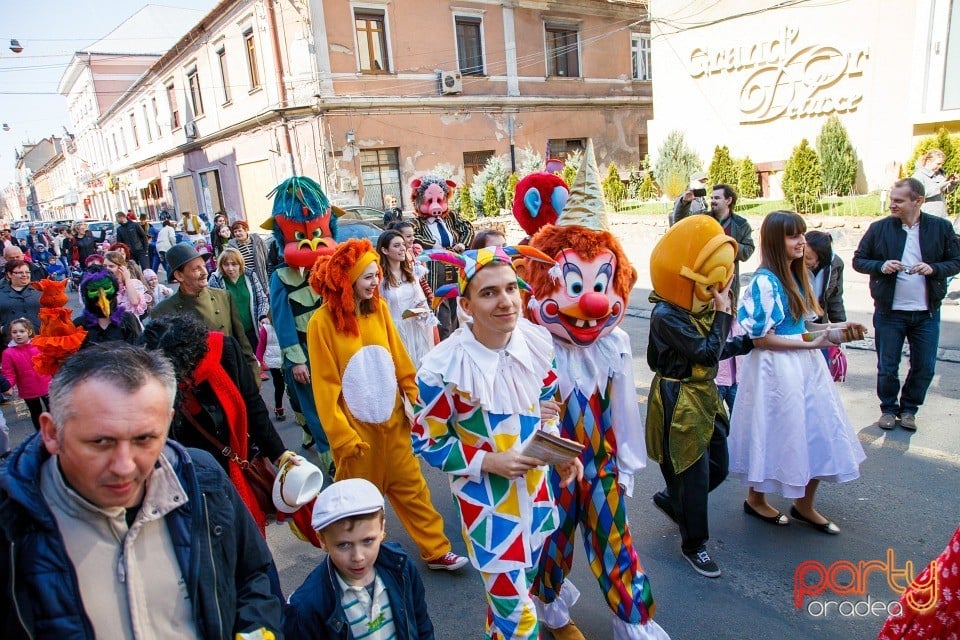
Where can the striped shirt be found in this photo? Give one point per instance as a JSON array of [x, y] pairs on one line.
[[246, 250], [369, 615]]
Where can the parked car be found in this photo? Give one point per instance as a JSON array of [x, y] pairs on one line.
[[351, 228], [365, 213]]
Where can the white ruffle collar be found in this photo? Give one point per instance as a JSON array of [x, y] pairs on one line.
[[505, 382], [590, 368]]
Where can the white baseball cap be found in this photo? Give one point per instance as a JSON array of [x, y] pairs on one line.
[[296, 484], [343, 499]]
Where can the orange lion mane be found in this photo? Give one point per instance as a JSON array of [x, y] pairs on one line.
[[330, 277], [587, 243]]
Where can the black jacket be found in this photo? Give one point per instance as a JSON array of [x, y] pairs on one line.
[[218, 547], [885, 240], [132, 234], [831, 297]]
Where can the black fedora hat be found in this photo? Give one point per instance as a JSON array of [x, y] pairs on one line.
[[182, 253]]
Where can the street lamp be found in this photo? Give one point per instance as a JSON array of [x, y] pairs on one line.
[[15, 45]]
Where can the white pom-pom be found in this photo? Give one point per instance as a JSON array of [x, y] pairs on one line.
[[556, 273], [532, 303]]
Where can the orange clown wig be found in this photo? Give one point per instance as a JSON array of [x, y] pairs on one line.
[[333, 276]]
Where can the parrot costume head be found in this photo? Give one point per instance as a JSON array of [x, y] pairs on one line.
[[690, 260], [585, 295], [538, 200], [98, 290], [431, 196], [303, 222]]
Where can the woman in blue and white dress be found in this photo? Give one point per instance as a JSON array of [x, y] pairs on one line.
[[789, 429]]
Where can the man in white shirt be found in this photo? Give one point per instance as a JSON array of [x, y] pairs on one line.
[[908, 256]]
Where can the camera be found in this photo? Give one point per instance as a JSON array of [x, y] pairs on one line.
[[699, 193]]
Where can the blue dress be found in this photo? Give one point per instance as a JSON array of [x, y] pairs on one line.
[[788, 424]]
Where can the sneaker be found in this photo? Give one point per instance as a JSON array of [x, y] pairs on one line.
[[702, 563], [887, 421], [447, 562], [280, 416], [908, 421]]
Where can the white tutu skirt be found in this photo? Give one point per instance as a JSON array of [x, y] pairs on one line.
[[788, 424]]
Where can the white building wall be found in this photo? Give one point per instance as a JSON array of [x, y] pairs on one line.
[[761, 83]]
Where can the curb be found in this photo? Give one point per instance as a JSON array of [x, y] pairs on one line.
[[943, 355]]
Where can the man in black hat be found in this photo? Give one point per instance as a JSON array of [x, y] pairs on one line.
[[215, 306]]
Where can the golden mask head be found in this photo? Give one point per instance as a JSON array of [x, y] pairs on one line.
[[691, 260]]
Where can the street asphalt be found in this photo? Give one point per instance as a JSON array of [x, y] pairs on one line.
[[904, 507]]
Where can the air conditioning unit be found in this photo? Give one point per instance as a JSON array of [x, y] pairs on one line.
[[451, 82], [190, 129], [349, 183]]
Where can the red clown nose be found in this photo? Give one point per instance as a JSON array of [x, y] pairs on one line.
[[594, 305]]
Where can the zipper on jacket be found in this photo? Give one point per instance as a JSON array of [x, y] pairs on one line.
[[213, 566], [13, 589]]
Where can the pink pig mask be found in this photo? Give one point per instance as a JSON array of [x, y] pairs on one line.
[[430, 196]]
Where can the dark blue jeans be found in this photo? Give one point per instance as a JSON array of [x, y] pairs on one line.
[[921, 329]]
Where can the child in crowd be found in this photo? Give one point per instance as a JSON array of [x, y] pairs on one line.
[[40, 255], [728, 372], [17, 365], [157, 291], [55, 270], [271, 359], [366, 586]]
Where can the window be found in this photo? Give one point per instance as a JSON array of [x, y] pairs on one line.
[[251, 59], [224, 77], [174, 111], [560, 149], [563, 59], [146, 124], [380, 171], [640, 56], [643, 145], [473, 163], [123, 142], [196, 100], [469, 46], [156, 116], [133, 131], [371, 42]]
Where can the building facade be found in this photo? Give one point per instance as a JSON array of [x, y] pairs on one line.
[[760, 80]]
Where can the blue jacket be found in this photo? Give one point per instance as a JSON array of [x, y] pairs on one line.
[[885, 240], [314, 610], [217, 543]]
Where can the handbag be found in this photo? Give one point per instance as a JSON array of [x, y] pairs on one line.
[[837, 361], [258, 470]]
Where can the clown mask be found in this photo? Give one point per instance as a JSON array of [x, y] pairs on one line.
[[585, 307]]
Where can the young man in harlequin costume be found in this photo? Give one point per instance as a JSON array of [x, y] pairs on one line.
[[692, 268], [480, 404], [581, 302], [303, 226], [435, 226], [363, 380]]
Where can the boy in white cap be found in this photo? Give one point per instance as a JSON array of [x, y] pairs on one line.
[[365, 585]]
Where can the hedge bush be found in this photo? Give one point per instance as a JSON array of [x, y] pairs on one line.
[[802, 181]]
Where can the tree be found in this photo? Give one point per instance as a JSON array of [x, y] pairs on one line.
[[950, 145], [491, 203], [613, 190], [802, 183], [675, 162], [838, 160], [495, 172], [648, 188], [571, 164], [468, 210], [510, 191], [747, 184], [723, 170]]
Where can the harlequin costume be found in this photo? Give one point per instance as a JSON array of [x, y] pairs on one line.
[[435, 226], [581, 302], [474, 400], [361, 377], [303, 225], [687, 423]]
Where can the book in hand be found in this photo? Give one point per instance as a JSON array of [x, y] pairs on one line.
[[552, 449], [414, 312]]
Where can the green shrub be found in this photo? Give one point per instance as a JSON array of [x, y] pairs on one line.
[[571, 164], [613, 190], [838, 160], [491, 203], [467, 208], [748, 186], [495, 172], [802, 183], [648, 189], [675, 159], [510, 191], [723, 170]]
